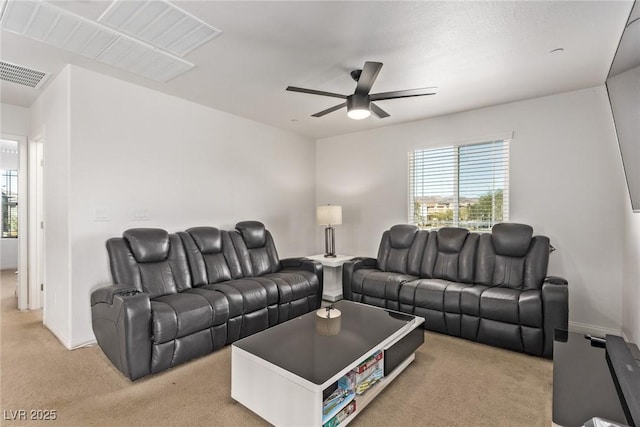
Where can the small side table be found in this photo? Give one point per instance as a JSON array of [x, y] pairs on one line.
[[332, 287]]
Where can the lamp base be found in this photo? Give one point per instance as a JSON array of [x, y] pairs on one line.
[[329, 242]]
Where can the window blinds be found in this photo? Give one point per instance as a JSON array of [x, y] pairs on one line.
[[462, 186]]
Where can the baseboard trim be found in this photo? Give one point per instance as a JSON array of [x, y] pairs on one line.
[[87, 341], [585, 328], [60, 336]]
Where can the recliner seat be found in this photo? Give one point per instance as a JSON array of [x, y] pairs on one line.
[[447, 269], [297, 283], [398, 261], [487, 287]]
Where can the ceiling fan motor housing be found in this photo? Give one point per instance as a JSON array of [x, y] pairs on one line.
[[358, 102]]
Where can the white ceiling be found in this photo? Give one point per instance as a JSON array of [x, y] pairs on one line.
[[476, 53]]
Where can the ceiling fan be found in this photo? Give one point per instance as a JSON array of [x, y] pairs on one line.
[[360, 104]]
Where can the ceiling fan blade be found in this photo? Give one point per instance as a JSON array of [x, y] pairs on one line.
[[379, 112], [329, 110], [403, 93], [367, 77], [315, 92]]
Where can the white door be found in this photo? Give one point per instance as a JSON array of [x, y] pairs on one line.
[[36, 224]]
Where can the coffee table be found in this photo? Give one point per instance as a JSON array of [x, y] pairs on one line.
[[282, 372]]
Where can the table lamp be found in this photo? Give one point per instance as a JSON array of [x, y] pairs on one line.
[[329, 215]]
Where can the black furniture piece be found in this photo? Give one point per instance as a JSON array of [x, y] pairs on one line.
[[595, 377], [487, 287], [181, 296]]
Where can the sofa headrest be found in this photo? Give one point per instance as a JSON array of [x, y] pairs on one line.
[[148, 244], [253, 233], [451, 239], [402, 235], [512, 239], [207, 239]]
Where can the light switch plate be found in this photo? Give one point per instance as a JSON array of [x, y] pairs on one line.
[[101, 214], [140, 214]]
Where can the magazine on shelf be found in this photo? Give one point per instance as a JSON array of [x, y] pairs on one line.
[[342, 415]]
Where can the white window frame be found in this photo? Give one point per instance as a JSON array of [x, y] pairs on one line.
[[504, 137]]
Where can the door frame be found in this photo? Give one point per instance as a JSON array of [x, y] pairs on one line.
[[36, 218]]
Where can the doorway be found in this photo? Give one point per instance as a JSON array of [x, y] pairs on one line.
[[13, 165]]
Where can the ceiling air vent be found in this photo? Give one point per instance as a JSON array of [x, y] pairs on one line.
[[22, 75]]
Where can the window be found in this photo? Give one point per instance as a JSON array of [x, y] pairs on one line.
[[460, 186], [9, 203]]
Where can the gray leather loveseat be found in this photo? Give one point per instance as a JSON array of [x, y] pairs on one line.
[[487, 287], [180, 296]]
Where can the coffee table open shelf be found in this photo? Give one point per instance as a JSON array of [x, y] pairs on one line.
[[281, 373]]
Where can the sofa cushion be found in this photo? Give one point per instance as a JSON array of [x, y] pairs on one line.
[[255, 249], [451, 239], [157, 279], [511, 239], [218, 302], [401, 249], [379, 284], [244, 295], [211, 255], [500, 304], [148, 244], [297, 283], [253, 233], [178, 315], [401, 236], [207, 239], [449, 255], [470, 299], [530, 304]]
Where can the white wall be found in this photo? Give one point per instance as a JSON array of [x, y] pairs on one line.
[[631, 287], [131, 148], [566, 181], [14, 121], [50, 119]]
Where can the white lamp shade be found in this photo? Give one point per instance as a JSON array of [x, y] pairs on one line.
[[329, 215]]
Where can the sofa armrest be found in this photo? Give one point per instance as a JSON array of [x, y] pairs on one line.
[[349, 268], [314, 267], [105, 294], [555, 280], [555, 309], [121, 321]]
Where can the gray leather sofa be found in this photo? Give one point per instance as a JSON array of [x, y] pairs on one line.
[[487, 287], [181, 296]]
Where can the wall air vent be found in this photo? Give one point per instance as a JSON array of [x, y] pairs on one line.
[[22, 75]]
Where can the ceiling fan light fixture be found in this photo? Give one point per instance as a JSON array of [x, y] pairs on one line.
[[358, 114], [358, 107]]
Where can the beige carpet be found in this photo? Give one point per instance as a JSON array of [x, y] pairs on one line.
[[452, 382]]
